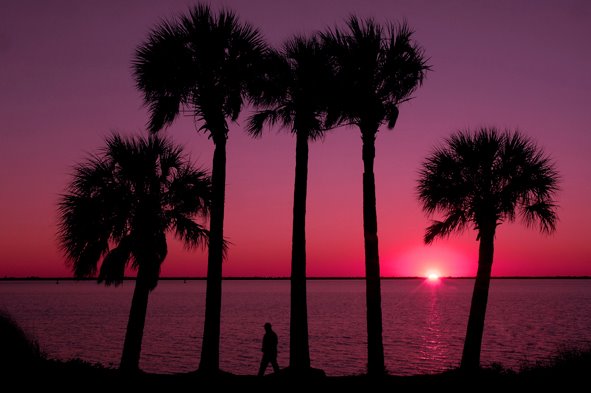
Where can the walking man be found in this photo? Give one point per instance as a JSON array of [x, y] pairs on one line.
[[269, 350]]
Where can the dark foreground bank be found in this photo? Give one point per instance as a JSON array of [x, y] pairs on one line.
[[567, 371]]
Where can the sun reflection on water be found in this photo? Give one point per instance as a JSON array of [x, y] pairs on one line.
[[434, 348]]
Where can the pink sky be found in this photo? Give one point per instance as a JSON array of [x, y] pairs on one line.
[[65, 83]]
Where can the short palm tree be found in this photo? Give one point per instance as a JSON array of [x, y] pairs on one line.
[[203, 63], [296, 98], [377, 70], [484, 179], [117, 210]]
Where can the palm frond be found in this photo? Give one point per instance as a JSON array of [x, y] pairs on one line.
[[404, 63], [83, 233], [188, 192], [162, 68], [85, 263], [542, 213], [269, 86], [191, 233], [113, 266], [454, 221], [257, 121]]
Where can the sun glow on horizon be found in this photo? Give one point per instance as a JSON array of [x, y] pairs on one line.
[[433, 275]]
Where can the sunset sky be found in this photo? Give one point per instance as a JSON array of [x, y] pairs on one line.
[[65, 83]]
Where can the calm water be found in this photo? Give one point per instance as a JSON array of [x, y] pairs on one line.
[[424, 323]]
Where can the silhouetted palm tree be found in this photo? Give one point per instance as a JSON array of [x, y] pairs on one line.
[[203, 63], [296, 98], [484, 179], [118, 208], [377, 70]]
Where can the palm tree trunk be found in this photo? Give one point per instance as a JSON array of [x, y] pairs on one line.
[[473, 342], [373, 297], [130, 359], [210, 350], [299, 352]]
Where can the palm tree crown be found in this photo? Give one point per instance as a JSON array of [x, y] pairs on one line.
[[377, 68], [486, 177], [297, 90], [202, 63], [121, 203]]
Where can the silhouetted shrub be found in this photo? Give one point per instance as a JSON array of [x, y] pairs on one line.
[[18, 352]]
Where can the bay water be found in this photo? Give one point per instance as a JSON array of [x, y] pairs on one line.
[[424, 322]]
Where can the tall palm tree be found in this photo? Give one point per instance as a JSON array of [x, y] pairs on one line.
[[117, 210], [484, 179], [378, 69], [203, 63], [296, 97]]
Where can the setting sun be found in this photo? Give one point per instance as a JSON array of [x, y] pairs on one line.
[[433, 276]]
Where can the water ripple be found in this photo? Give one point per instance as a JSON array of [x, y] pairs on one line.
[[424, 326]]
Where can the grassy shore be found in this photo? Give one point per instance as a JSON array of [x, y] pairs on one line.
[[567, 370]]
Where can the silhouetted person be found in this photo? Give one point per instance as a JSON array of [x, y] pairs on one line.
[[269, 350]]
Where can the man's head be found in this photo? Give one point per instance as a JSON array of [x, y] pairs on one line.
[[267, 327]]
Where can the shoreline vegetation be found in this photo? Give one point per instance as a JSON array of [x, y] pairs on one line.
[[285, 278], [568, 368]]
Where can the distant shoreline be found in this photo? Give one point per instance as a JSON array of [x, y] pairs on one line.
[[309, 278]]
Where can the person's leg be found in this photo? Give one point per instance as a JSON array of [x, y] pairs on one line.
[[274, 364], [263, 366]]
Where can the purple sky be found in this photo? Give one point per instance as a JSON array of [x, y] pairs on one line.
[[65, 83]]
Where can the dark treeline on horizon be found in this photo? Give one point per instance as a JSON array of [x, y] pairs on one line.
[[281, 278]]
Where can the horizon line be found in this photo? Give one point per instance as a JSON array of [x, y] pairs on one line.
[[283, 278]]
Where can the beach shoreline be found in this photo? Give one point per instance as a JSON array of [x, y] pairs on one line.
[[563, 370]]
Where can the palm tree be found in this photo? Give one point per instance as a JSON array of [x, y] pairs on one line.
[[296, 97], [378, 70], [117, 210], [203, 63], [484, 179]]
